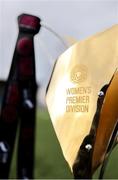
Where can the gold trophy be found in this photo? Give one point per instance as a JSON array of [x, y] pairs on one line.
[[74, 92]]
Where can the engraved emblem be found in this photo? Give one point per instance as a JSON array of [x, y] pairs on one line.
[[79, 73]]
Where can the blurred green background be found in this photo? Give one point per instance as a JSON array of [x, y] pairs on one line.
[[49, 161]]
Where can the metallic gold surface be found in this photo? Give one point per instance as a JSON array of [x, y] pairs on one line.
[[72, 94], [107, 122]]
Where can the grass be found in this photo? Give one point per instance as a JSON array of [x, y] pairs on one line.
[[49, 161]]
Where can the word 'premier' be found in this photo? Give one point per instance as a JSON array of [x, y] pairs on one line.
[[78, 99]]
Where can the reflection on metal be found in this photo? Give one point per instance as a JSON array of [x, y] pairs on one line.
[[107, 122], [103, 143], [72, 93]]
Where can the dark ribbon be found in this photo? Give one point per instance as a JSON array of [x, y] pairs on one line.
[[19, 103]]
